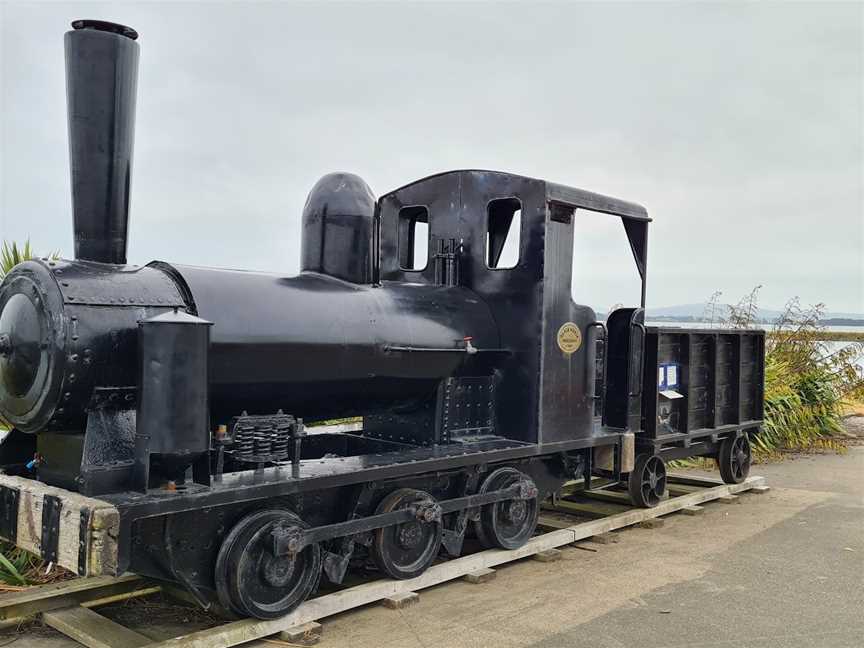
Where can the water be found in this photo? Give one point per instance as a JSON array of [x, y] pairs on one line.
[[766, 327]]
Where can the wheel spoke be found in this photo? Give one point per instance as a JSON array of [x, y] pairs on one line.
[[648, 494]]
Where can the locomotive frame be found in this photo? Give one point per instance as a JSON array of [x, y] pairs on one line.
[[161, 412]]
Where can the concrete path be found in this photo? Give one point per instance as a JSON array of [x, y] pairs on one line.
[[783, 569]]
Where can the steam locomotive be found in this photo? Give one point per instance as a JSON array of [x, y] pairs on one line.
[[163, 416]]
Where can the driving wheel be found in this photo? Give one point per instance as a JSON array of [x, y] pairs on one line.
[[406, 549], [251, 580], [507, 524]]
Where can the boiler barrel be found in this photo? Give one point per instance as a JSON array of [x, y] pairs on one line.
[[319, 347], [312, 345]]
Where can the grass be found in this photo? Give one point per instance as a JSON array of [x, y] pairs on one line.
[[808, 385]]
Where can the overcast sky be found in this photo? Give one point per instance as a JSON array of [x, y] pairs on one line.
[[738, 126]]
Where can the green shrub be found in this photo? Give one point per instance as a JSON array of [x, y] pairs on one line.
[[807, 381]]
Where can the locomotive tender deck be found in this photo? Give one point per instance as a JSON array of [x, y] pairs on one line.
[[160, 414]]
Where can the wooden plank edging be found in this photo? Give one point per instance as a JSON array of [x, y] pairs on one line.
[[92, 629], [239, 632], [59, 595]]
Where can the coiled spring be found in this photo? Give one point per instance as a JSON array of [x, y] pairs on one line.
[[262, 439]]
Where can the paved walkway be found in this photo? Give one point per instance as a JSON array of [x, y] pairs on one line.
[[779, 570]]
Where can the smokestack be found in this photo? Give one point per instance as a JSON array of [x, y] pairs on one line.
[[101, 79]]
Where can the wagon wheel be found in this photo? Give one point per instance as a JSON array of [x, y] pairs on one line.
[[734, 458], [507, 524], [251, 580], [647, 481], [405, 550]]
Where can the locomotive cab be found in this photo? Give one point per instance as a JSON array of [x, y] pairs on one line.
[[459, 223]]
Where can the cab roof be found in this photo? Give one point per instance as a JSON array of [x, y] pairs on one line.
[[555, 193]]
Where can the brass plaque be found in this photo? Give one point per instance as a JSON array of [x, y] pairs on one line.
[[569, 338]]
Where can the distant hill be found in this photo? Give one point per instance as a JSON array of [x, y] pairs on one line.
[[843, 321]]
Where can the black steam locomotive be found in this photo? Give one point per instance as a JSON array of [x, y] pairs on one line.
[[162, 414]]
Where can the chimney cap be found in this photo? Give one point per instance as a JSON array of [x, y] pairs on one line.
[[102, 25]]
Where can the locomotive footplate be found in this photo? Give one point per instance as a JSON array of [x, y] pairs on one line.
[[315, 474]]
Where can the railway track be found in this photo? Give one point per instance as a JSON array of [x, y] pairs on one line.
[[71, 607]]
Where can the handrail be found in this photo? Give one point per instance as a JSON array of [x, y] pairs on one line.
[[602, 395], [641, 327]]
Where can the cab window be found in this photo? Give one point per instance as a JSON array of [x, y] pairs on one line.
[[413, 244], [503, 233]]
